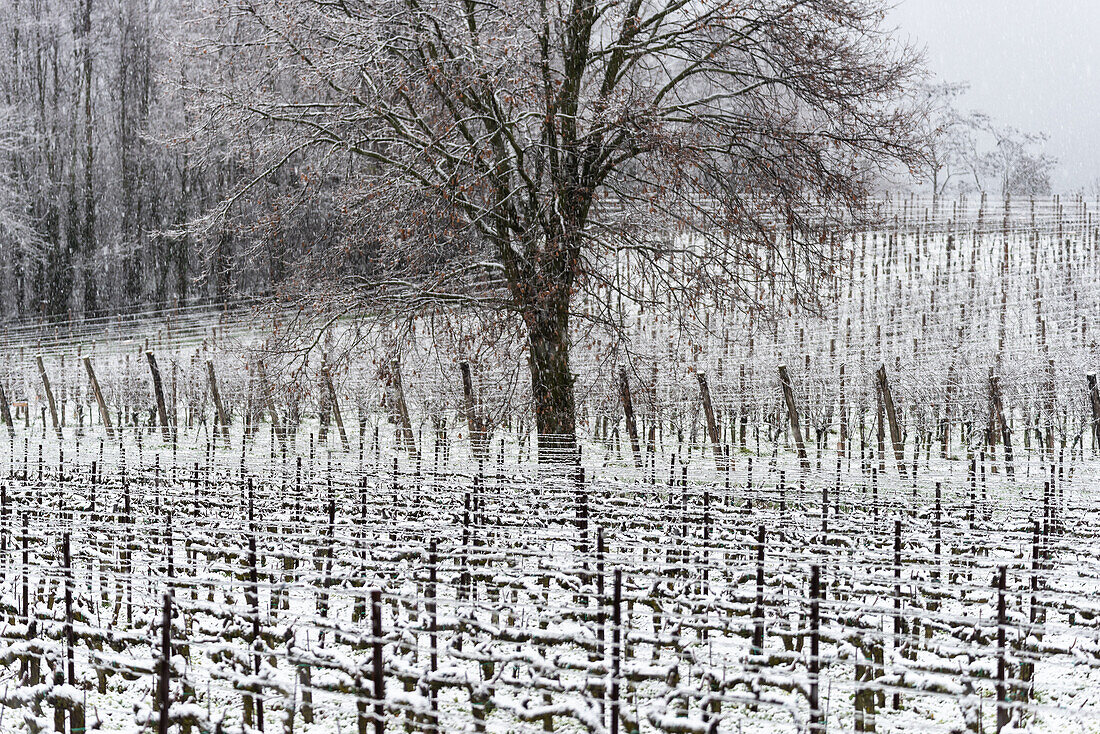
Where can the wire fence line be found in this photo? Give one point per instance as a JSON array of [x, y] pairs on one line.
[[951, 600], [896, 531]]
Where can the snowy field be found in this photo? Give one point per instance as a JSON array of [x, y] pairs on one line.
[[498, 590], [930, 564]]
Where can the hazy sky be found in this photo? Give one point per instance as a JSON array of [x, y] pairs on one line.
[[1030, 63]]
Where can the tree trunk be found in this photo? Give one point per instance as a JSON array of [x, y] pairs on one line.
[[552, 382]]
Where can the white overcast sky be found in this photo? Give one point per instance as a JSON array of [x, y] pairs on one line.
[[1034, 64]]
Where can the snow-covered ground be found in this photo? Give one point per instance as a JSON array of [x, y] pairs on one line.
[[522, 598]]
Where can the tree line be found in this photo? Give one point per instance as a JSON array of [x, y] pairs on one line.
[[103, 165], [408, 156]]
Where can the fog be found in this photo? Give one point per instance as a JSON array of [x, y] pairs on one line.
[[1030, 64]]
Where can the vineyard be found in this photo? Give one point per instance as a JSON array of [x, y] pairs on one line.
[[881, 517]]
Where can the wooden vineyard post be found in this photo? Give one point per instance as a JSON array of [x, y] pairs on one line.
[[712, 426], [223, 419], [899, 623], [335, 408], [937, 519], [158, 393], [581, 511], [173, 405], [705, 587], [403, 414], [1002, 623], [49, 395], [1033, 612], [5, 410], [76, 710], [1090, 380], [842, 416], [999, 415], [269, 403], [26, 591], [326, 564], [758, 609], [464, 590], [817, 721], [30, 664], [743, 421], [892, 418], [1050, 412], [601, 613], [616, 646], [473, 422], [165, 665], [1027, 666], [376, 660], [945, 416], [628, 413], [103, 412], [433, 627], [792, 411], [4, 531], [880, 433], [254, 598]]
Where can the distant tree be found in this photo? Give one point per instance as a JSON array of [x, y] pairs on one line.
[[1007, 158], [20, 242], [972, 151], [1029, 175], [1023, 170], [997, 159], [501, 155], [93, 88], [949, 135]]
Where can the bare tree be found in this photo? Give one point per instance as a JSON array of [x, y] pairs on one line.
[[505, 154], [18, 236], [974, 151], [949, 133], [93, 90], [1010, 159]]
